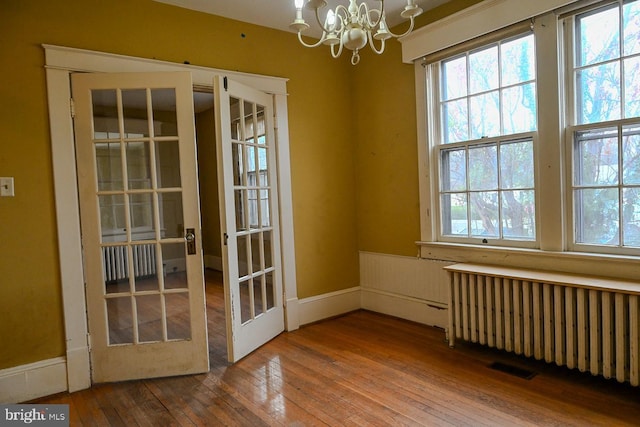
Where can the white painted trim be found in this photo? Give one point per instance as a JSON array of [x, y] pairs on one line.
[[404, 307], [474, 21], [328, 305], [213, 262], [60, 62], [34, 380], [287, 246], [68, 223], [72, 59]]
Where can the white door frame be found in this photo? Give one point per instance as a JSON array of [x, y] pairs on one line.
[[60, 62]]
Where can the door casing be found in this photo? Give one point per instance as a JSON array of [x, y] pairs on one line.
[[60, 62]]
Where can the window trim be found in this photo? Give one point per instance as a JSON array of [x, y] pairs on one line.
[[548, 141], [568, 23]]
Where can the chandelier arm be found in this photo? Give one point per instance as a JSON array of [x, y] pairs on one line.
[[338, 27], [367, 13], [405, 33], [311, 44], [373, 47], [320, 24], [343, 17], [333, 51]]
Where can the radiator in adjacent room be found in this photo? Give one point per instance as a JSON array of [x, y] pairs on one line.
[[580, 322], [116, 265]]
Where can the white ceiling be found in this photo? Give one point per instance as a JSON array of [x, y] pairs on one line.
[[279, 14]]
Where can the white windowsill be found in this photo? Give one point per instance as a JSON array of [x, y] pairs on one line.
[[616, 266]]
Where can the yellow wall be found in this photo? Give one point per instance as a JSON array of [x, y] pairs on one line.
[[321, 156], [208, 181], [352, 136], [387, 153]]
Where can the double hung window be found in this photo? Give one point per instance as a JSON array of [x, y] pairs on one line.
[[604, 127], [484, 104], [548, 161]]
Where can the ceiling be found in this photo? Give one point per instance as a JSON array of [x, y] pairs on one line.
[[279, 14]]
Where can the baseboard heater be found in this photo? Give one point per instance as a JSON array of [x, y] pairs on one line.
[[581, 322], [116, 265]]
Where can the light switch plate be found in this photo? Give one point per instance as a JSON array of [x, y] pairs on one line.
[[6, 187]]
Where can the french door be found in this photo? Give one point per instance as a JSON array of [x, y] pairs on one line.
[[140, 220], [248, 191]]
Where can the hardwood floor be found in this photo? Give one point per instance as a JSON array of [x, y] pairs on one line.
[[362, 369]]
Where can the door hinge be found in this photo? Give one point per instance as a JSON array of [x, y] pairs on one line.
[[226, 239], [89, 341], [225, 83], [72, 108]]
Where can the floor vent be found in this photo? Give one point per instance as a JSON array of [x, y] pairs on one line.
[[513, 370]]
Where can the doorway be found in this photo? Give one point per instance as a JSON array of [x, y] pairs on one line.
[[61, 62], [210, 220]]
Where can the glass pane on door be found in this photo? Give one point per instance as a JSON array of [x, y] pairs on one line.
[[252, 202], [141, 215]]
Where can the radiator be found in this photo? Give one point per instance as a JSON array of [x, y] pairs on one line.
[[116, 265], [591, 324]]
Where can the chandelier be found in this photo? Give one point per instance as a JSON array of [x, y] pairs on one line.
[[351, 27]]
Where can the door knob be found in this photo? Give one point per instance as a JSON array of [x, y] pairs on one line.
[[190, 238]]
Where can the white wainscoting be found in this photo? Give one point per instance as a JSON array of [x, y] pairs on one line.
[[27, 382], [410, 288]]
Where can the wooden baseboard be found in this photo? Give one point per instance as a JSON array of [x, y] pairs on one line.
[[34, 380], [328, 305]]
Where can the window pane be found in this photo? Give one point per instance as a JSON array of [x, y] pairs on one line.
[[632, 86], [485, 115], [516, 165], [519, 109], [178, 325], [134, 108], [520, 66], [142, 225], [138, 169], [598, 35], [596, 213], [631, 216], [105, 114], [164, 112], [454, 214], [596, 157], [168, 164], [112, 218], [454, 78], [518, 214], [631, 27], [599, 93], [109, 166], [483, 168], [120, 320], [631, 156], [455, 121], [454, 170], [483, 70], [484, 214]]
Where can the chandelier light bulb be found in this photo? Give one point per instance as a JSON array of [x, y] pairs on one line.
[[351, 26]]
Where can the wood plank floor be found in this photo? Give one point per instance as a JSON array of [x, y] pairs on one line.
[[361, 369]]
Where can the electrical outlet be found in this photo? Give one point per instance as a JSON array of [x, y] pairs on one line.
[[6, 187]]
